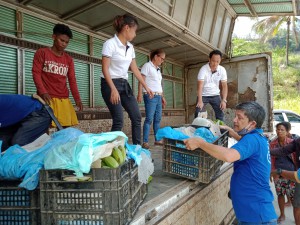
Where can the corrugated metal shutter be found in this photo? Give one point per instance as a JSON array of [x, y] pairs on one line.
[[29, 84], [83, 81], [167, 69], [178, 71], [140, 59], [8, 20], [97, 47], [8, 70], [38, 30], [130, 79], [168, 93], [178, 95], [97, 87], [79, 43]]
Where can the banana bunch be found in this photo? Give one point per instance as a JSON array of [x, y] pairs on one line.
[[117, 158]]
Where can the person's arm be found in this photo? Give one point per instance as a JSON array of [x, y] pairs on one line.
[[140, 90], [224, 95], [139, 76], [73, 85], [163, 99], [291, 175], [37, 69], [200, 85], [114, 96], [232, 133], [219, 152], [286, 150]]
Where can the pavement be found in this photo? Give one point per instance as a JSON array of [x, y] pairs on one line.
[[288, 211]]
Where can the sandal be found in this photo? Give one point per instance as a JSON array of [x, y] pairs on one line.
[[145, 145]]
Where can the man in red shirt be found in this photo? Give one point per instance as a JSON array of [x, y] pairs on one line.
[[51, 69]]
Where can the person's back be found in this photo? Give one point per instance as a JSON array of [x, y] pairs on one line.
[[15, 107], [22, 120]]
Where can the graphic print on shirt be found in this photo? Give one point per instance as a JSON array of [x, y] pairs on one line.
[[55, 68]]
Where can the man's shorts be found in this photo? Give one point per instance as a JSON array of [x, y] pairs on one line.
[[64, 112], [285, 187]]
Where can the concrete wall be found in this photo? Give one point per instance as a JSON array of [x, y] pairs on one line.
[[104, 125]]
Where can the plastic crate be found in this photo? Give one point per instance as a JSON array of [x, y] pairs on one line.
[[105, 200], [194, 165], [18, 206]]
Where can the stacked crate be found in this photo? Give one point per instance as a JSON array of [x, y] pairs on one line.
[[110, 197], [18, 206]]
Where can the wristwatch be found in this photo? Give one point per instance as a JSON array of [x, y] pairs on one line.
[[224, 100], [279, 171]]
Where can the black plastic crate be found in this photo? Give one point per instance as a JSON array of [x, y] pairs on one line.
[[105, 200], [138, 191], [18, 206], [194, 165]]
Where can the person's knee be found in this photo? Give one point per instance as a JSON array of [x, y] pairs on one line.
[[148, 120], [137, 119], [20, 140]]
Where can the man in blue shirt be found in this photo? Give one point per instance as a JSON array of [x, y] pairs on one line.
[[22, 120], [249, 187]]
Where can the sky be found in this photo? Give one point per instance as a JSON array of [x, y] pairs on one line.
[[243, 26]]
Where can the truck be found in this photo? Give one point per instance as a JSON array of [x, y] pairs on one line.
[[187, 31]]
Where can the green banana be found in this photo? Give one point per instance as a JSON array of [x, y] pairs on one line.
[[123, 150], [117, 154], [110, 162]]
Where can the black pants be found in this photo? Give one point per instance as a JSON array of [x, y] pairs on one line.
[[215, 102], [128, 102], [27, 130]]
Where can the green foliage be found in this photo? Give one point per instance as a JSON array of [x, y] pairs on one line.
[[286, 79], [245, 47]]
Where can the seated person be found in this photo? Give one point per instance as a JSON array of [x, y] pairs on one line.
[[22, 120]]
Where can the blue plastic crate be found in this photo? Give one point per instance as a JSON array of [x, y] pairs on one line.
[[18, 206], [194, 165]]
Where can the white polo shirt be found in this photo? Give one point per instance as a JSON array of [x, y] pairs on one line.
[[211, 80], [153, 77], [120, 57]]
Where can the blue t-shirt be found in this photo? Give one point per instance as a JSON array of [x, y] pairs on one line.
[[250, 190], [14, 108]]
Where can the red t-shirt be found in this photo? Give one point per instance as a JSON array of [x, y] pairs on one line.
[[50, 73]]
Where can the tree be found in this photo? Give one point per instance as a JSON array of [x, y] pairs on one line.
[[269, 27]]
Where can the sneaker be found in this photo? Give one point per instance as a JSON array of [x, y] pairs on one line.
[[161, 142], [145, 145]]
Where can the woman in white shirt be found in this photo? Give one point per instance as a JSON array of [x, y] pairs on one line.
[[153, 106], [117, 56]]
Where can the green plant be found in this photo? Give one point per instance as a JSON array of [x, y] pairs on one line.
[[286, 79]]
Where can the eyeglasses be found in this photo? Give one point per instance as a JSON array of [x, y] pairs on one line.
[[163, 59]]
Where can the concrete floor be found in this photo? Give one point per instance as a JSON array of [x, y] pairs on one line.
[[289, 217], [161, 181]]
